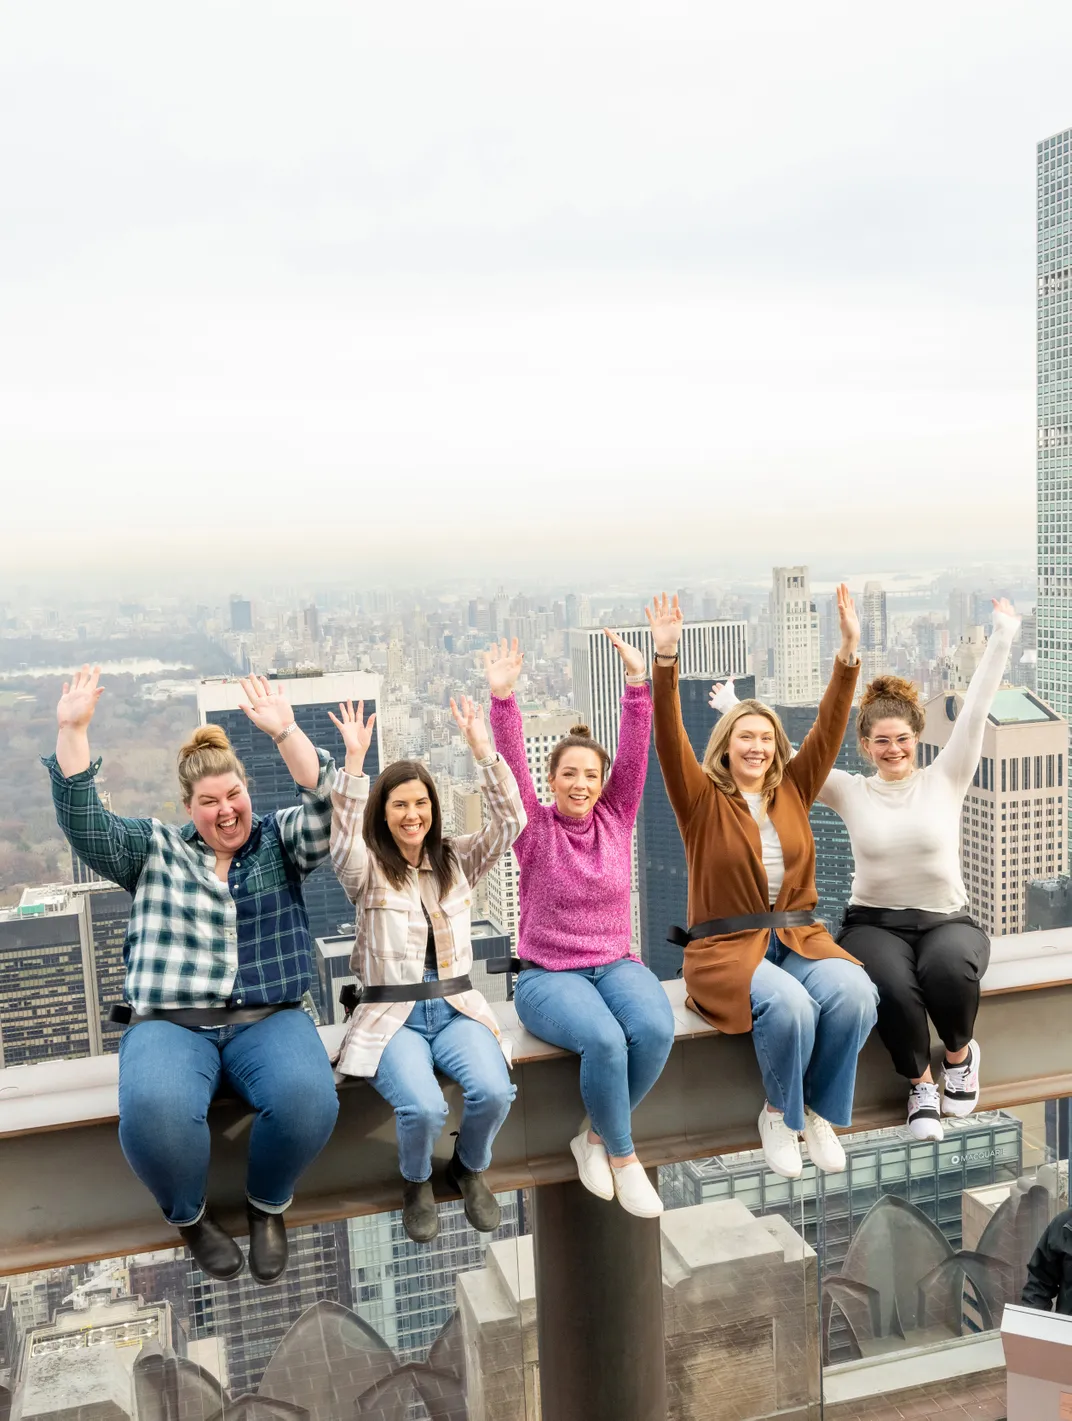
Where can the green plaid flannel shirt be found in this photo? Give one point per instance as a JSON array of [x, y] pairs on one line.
[[194, 941]]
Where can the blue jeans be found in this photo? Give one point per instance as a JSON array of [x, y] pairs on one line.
[[809, 1023], [618, 1020], [167, 1078], [436, 1035]]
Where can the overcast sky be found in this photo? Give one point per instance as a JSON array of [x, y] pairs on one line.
[[410, 284]]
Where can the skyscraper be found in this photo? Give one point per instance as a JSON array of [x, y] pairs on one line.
[[241, 614], [874, 631], [707, 649], [1012, 824], [46, 980], [270, 784], [795, 633], [1054, 397]]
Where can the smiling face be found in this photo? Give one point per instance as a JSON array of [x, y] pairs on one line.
[[891, 748], [221, 812], [577, 781], [408, 810], [751, 751]]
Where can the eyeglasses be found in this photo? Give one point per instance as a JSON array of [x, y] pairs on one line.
[[883, 742]]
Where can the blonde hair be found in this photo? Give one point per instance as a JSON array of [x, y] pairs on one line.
[[716, 756], [207, 752], [889, 698]]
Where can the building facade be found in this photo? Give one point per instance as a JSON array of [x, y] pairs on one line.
[[1054, 399], [1013, 825], [795, 638]]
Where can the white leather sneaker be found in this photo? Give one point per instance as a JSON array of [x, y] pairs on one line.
[[781, 1148], [824, 1148], [593, 1167], [924, 1112], [635, 1192], [960, 1084]]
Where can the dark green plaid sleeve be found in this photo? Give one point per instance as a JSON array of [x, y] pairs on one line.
[[305, 830], [115, 847]]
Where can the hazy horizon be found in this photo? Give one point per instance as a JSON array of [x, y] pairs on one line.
[[299, 285]]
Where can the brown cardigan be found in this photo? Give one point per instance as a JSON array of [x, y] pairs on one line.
[[724, 855]]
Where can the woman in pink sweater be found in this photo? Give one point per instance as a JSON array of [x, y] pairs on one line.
[[580, 986]]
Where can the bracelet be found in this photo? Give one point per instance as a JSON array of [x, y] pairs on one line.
[[665, 656], [291, 728], [640, 680], [488, 760]]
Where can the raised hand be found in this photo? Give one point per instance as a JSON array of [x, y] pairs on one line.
[[723, 697], [502, 667], [469, 718], [849, 622], [1002, 604], [268, 708], [79, 700], [634, 661], [356, 733], [666, 620]]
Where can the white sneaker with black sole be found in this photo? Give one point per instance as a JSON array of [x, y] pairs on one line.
[[960, 1084], [924, 1112]]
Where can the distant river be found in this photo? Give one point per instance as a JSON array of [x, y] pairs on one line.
[[132, 666]]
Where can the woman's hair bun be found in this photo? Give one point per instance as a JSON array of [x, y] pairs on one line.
[[205, 737], [581, 730], [890, 688]]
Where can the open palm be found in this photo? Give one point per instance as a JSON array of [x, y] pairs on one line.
[[356, 732], [666, 620], [502, 667], [79, 699]]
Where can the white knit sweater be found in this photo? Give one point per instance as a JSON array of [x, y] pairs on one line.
[[905, 834]]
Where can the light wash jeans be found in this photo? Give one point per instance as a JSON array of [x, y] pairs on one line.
[[436, 1035], [618, 1020], [809, 1023], [167, 1078]]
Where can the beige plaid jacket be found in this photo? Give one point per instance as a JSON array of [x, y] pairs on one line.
[[391, 933]]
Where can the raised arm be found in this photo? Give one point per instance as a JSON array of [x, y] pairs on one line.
[[506, 813], [502, 667], [349, 856], [682, 774], [113, 846], [813, 762], [959, 759], [270, 711], [626, 783]]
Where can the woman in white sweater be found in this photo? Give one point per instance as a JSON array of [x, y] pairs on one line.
[[907, 919]]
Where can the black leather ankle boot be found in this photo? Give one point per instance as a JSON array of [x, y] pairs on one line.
[[420, 1217], [481, 1207], [215, 1251], [267, 1244]]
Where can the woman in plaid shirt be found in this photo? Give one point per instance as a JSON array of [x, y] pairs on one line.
[[217, 949], [412, 891]]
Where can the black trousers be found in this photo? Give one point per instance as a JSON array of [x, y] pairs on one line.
[[923, 964]]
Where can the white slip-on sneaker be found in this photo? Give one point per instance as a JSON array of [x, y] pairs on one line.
[[781, 1148], [924, 1112], [960, 1084], [593, 1167], [635, 1191], [824, 1148]]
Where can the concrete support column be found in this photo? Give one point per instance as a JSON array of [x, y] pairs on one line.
[[599, 1308]]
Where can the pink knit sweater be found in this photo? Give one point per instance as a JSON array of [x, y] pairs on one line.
[[575, 873]]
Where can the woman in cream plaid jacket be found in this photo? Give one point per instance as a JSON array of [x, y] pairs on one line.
[[412, 892]]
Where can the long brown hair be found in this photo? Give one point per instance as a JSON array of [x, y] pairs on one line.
[[380, 840], [207, 752], [716, 760]]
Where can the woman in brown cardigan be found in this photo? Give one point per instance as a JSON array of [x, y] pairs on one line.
[[755, 957]]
